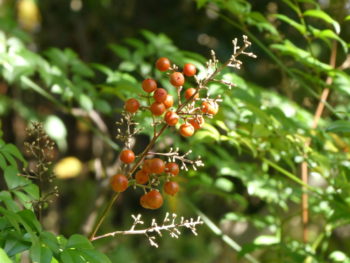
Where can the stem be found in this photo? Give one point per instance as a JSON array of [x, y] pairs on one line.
[[304, 166], [103, 215]]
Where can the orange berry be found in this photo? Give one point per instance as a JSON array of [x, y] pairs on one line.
[[141, 177], [169, 101], [171, 188], [157, 108], [146, 166], [127, 156], [153, 200], [197, 122], [157, 166], [186, 130], [160, 95], [171, 118], [210, 107], [119, 182], [163, 64], [132, 105], [189, 70], [172, 168], [177, 79], [189, 92], [149, 85], [144, 201]]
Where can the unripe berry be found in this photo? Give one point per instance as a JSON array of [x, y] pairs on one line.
[[171, 118], [172, 168], [189, 92], [141, 177], [157, 108], [186, 130], [160, 95], [177, 79], [127, 156], [171, 188], [163, 64], [157, 166], [169, 101], [149, 85], [189, 70], [132, 105], [119, 182]]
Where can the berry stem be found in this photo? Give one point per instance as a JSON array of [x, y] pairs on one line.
[[103, 215]]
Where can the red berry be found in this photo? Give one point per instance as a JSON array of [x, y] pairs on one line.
[[163, 64], [132, 105], [160, 95], [127, 156], [157, 108], [119, 182], [146, 166], [141, 177], [171, 188], [144, 201], [157, 166], [171, 118], [210, 107], [149, 85], [189, 70], [186, 130], [153, 200], [189, 92], [197, 122], [169, 101], [172, 168], [177, 79]]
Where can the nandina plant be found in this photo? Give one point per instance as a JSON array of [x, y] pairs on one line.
[[184, 115]]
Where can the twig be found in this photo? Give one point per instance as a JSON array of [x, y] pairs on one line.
[[169, 224], [304, 166]]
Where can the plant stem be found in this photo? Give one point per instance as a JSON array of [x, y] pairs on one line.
[[103, 215], [304, 166]]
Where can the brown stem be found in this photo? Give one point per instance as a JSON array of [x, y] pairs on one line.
[[304, 166]]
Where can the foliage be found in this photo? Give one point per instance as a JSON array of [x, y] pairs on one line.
[[250, 191]]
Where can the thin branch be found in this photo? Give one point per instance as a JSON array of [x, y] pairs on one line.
[[304, 166]]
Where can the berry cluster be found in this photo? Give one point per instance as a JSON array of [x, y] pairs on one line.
[[186, 114]]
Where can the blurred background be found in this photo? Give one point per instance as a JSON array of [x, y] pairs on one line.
[[71, 64]]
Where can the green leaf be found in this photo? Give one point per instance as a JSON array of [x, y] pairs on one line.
[[39, 253], [50, 240], [327, 33], [10, 203], [29, 217], [324, 16], [13, 150], [266, 240], [3, 257], [120, 51], [339, 126], [85, 102], [301, 28], [12, 178], [79, 241]]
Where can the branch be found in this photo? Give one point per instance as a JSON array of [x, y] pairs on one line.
[[169, 224]]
